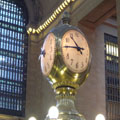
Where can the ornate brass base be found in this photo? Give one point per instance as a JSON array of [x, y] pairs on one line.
[[66, 107], [67, 110]]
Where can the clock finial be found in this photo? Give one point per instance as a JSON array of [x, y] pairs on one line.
[[66, 18]]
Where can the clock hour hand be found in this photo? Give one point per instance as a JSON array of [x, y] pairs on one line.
[[78, 48], [43, 52], [70, 47]]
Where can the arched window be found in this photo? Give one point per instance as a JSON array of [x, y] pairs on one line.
[[13, 57]]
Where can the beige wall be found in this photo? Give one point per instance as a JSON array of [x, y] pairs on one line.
[[39, 93], [91, 97]]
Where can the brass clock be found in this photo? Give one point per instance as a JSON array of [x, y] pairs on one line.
[[65, 57]]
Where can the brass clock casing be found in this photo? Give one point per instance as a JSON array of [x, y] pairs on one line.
[[61, 77]]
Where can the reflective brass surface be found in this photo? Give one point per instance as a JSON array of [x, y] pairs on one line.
[[60, 76]]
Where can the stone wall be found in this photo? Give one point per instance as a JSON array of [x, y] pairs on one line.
[[91, 96]]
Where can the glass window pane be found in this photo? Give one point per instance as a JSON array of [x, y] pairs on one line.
[[12, 58], [112, 75]]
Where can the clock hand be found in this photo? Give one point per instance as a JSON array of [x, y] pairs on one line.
[[70, 47], [43, 52], [78, 48], [73, 40]]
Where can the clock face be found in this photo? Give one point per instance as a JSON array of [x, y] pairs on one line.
[[75, 51], [48, 54]]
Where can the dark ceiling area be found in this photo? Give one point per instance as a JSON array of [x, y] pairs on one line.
[[97, 16]]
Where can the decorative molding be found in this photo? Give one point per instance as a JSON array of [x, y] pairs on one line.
[[50, 20]]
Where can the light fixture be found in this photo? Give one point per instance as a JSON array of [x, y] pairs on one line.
[[45, 24], [32, 118], [37, 31], [63, 5], [30, 29], [33, 31], [41, 28], [100, 117], [52, 18], [53, 15], [59, 9], [48, 21], [68, 1], [53, 112]]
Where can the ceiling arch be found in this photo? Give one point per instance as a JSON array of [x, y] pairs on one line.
[[35, 12]]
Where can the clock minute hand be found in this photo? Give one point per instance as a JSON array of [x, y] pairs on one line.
[[78, 48], [73, 40]]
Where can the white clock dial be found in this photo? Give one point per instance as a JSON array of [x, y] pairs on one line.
[[48, 54], [75, 51]]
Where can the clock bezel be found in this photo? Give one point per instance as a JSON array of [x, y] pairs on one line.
[[69, 67], [54, 53]]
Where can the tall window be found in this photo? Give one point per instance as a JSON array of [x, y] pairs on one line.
[[112, 78], [13, 58]]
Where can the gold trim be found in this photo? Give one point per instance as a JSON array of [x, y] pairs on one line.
[[54, 15], [65, 83]]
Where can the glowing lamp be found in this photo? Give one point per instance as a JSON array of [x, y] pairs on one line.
[[32, 118], [100, 117], [53, 112]]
